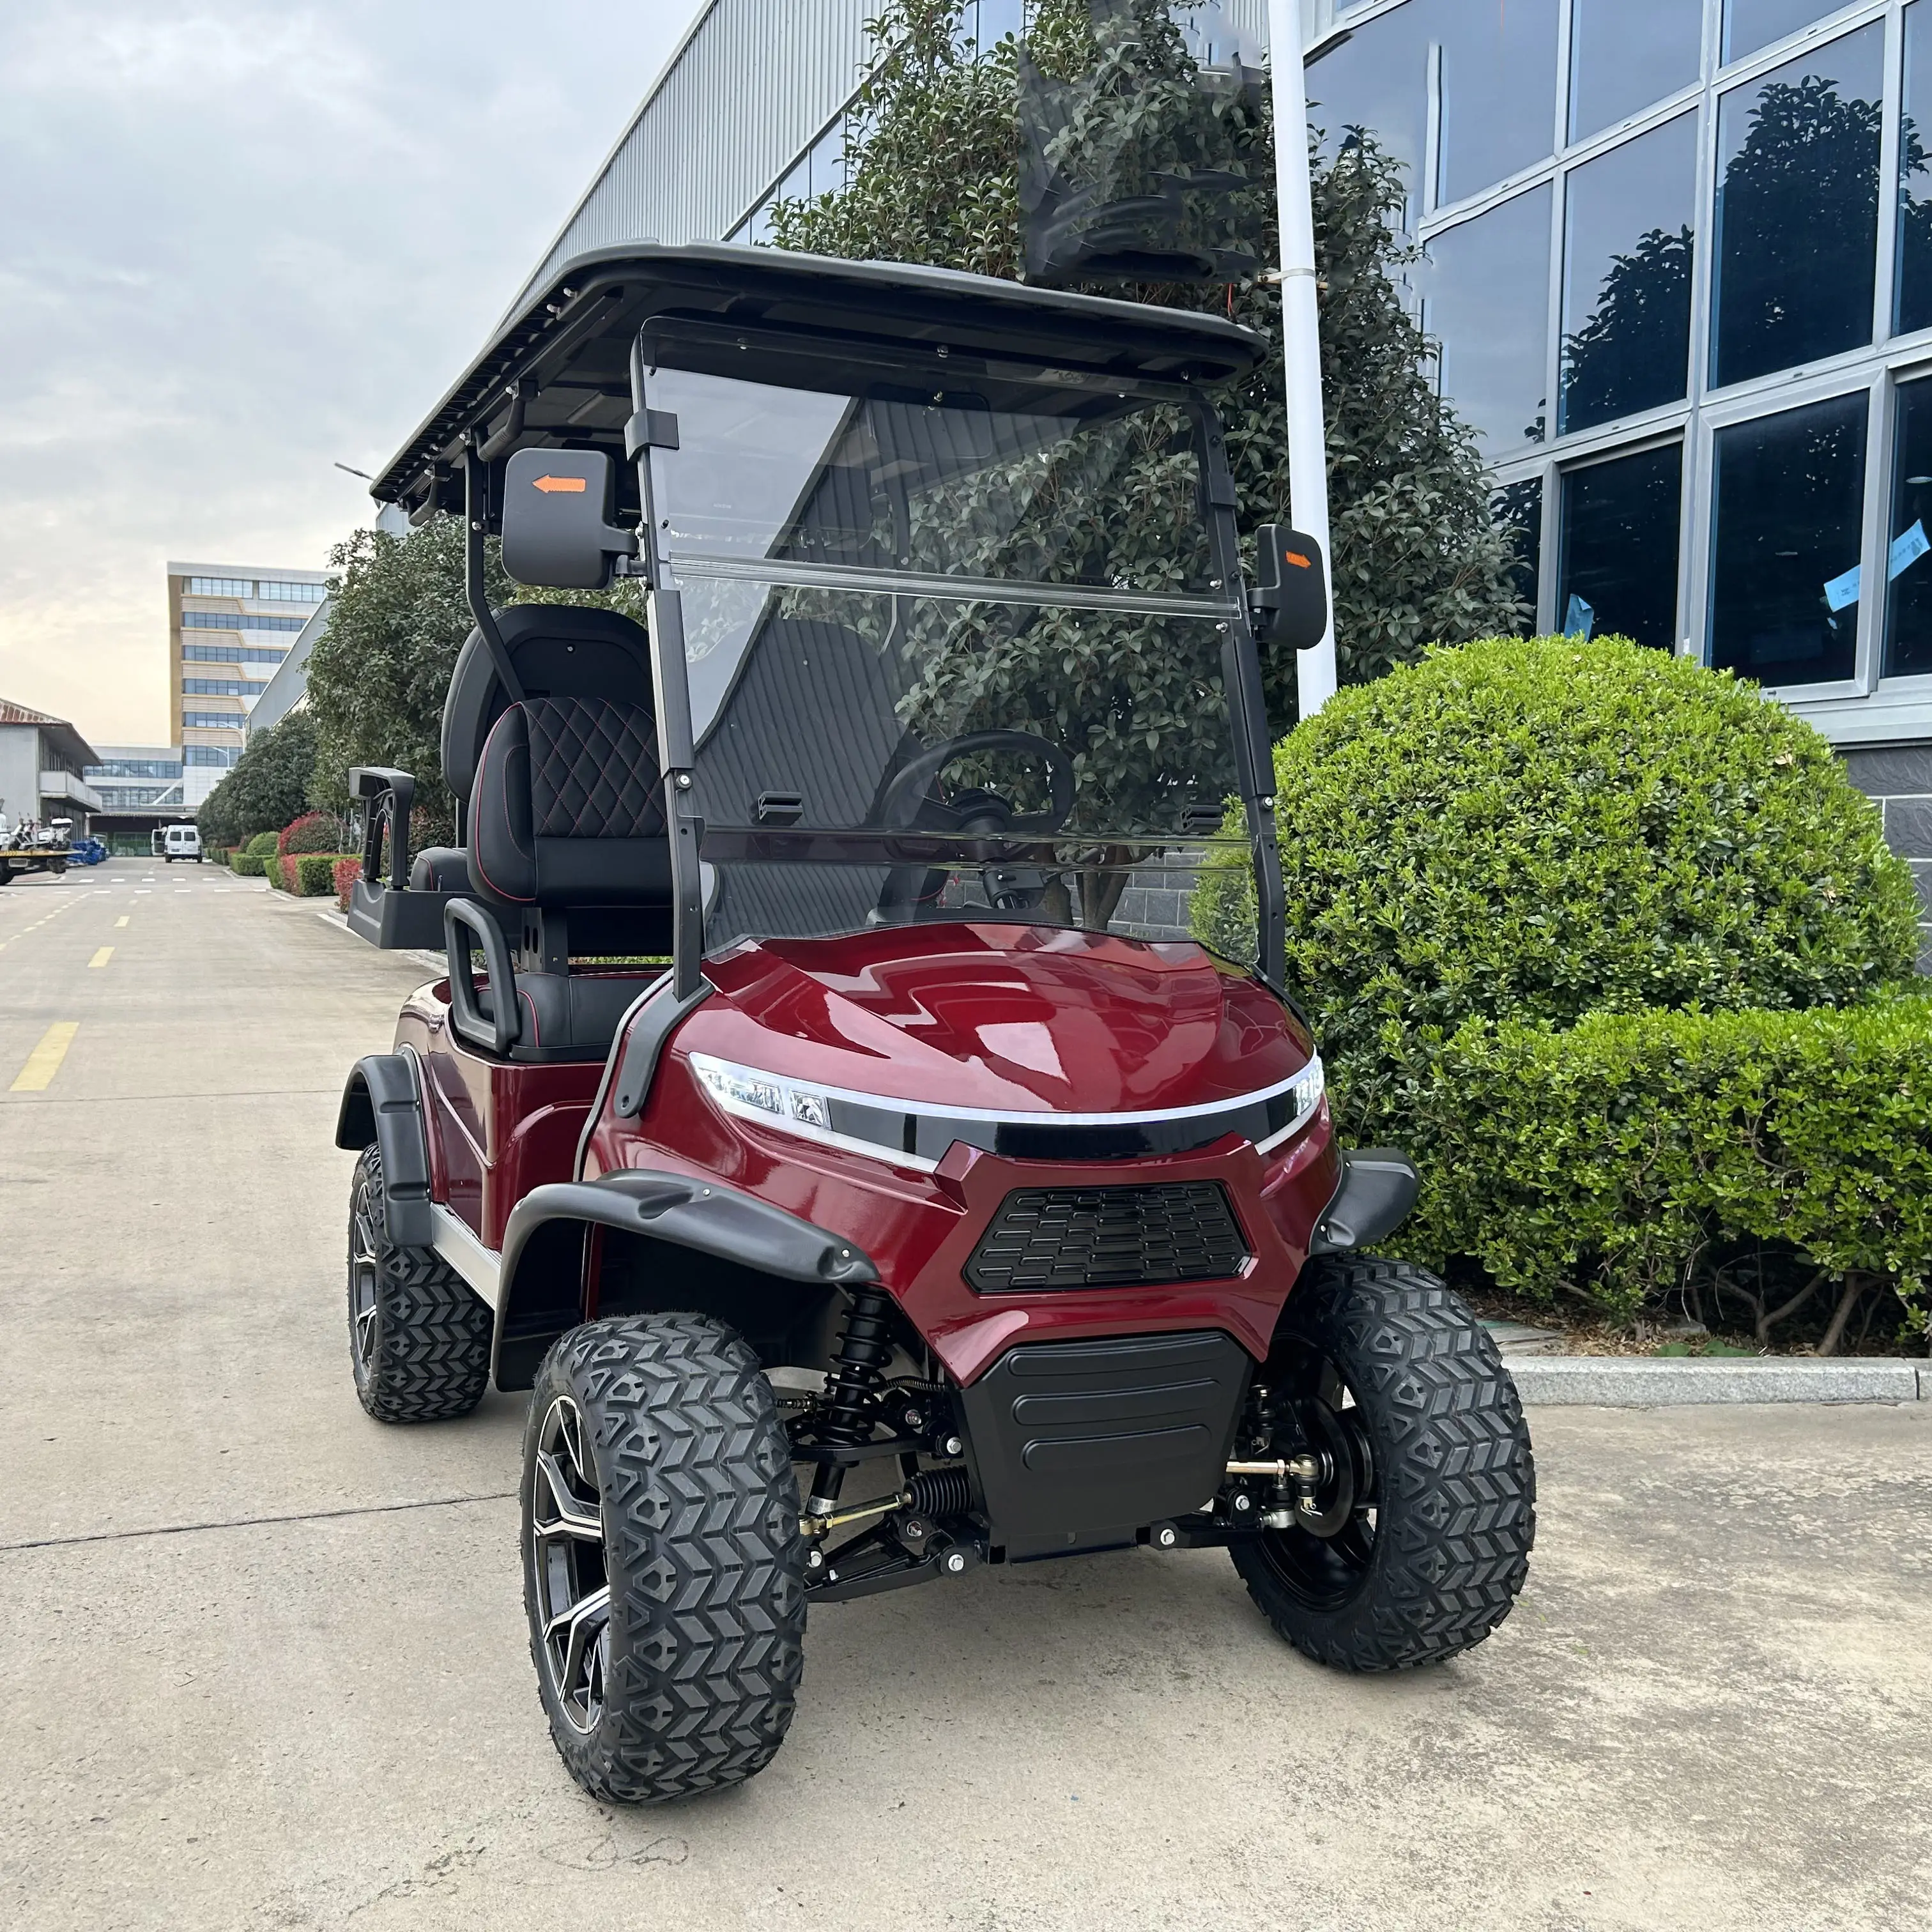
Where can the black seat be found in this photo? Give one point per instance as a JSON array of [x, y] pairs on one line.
[[563, 806], [813, 711]]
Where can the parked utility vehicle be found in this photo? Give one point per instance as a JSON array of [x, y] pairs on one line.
[[182, 842], [936, 1202], [31, 847]]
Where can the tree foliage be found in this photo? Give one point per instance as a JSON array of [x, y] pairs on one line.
[[378, 676], [936, 167], [268, 787]]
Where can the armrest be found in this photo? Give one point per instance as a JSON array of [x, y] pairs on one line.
[[392, 795], [499, 1029]]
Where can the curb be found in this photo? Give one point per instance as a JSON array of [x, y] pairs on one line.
[[1633, 1382]]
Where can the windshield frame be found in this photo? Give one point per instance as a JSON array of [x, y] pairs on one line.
[[663, 569]]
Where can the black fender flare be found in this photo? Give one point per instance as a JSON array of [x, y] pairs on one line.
[[382, 1102], [1377, 1190], [705, 1216]]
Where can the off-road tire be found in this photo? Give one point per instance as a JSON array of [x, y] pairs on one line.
[[704, 1561], [421, 1353], [1456, 1484]]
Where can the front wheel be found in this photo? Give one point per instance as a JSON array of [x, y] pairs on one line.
[[1417, 1539], [663, 1573]]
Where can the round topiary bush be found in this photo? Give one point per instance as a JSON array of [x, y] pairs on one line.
[[1535, 830], [313, 832], [263, 845]]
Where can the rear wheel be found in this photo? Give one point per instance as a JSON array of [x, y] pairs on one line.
[[419, 1334], [664, 1572], [1417, 1539]]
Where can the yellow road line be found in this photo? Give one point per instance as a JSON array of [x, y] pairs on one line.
[[122, 920], [43, 1063], [101, 958]]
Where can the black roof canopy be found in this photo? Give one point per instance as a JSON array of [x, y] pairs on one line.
[[558, 374]]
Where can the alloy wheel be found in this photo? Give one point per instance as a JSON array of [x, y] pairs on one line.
[[365, 1277], [568, 1563]]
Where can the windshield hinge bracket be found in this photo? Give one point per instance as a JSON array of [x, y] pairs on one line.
[[650, 429]]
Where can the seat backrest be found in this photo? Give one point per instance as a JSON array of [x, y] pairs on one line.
[[559, 651], [563, 786], [813, 711]]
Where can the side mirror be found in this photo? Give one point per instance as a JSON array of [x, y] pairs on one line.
[[557, 530], [1289, 601]]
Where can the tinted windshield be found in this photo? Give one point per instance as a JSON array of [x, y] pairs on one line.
[[944, 658], [932, 481], [909, 752]]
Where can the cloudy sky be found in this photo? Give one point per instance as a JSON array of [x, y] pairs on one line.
[[244, 240]]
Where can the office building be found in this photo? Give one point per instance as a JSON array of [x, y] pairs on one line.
[[230, 627]]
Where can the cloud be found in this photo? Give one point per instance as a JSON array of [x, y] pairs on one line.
[[245, 240]]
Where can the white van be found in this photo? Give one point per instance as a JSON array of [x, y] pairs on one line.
[[184, 841]]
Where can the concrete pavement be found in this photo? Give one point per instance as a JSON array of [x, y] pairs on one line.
[[262, 1662]]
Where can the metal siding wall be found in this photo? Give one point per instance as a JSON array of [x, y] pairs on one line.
[[756, 83]]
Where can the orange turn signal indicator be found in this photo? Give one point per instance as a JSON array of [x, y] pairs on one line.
[[1294, 556], [546, 484]]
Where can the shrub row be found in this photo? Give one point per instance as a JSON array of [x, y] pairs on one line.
[[248, 865], [1616, 1157], [347, 871]]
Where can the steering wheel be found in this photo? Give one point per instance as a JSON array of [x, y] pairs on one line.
[[904, 803]]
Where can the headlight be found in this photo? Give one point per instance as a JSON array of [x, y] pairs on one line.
[[773, 1101], [1303, 1096]]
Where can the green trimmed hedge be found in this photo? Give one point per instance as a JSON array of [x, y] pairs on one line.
[[248, 864], [1534, 830], [263, 844], [1616, 1157], [311, 874], [1615, 951]]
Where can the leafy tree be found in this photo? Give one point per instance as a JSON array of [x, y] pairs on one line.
[[268, 787], [937, 162], [378, 676]]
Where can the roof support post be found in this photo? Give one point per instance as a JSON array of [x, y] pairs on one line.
[[1301, 329]]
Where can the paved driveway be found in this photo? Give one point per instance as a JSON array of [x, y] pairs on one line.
[[262, 1662]]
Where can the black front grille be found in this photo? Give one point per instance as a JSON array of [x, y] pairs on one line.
[[1050, 1238]]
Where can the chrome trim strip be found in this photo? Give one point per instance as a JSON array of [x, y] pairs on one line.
[[961, 590], [481, 1267], [1018, 1117]]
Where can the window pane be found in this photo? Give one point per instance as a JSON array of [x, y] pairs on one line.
[[1626, 258], [1908, 613], [1912, 306], [1625, 54], [1751, 24], [1487, 301], [1498, 92], [1797, 210], [1378, 79], [1790, 498], [1518, 508], [1620, 522]]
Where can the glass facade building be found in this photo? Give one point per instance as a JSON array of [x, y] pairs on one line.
[[230, 628], [1677, 256]]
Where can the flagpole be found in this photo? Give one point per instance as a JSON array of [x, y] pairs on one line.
[[1300, 326]]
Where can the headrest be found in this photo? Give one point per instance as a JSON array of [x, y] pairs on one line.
[[560, 650]]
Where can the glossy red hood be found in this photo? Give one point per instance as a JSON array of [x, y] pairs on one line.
[[1025, 1018]]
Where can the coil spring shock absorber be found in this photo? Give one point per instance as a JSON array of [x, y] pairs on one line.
[[864, 1348]]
